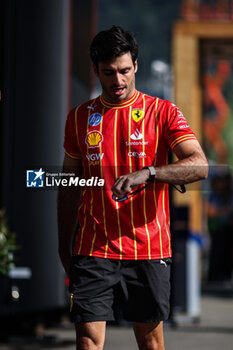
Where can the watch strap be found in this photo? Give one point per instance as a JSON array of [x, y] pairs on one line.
[[152, 171]]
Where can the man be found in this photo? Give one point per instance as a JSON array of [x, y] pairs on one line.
[[122, 136]]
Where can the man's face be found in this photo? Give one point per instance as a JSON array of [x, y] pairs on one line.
[[117, 78]]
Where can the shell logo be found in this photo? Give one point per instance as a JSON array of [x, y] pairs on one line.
[[94, 139]]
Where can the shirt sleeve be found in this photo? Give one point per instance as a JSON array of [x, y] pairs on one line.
[[71, 143], [177, 128]]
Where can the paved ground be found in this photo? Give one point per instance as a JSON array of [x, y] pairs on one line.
[[213, 332]]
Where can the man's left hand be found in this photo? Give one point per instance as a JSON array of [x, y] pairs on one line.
[[126, 183]]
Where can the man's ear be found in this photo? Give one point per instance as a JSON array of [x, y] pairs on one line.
[[95, 70], [135, 66]]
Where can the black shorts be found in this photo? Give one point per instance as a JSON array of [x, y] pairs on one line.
[[141, 288]]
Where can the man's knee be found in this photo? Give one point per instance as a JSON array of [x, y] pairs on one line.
[[90, 335], [86, 343], [150, 343], [149, 336]]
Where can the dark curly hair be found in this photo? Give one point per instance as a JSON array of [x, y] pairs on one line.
[[112, 43]]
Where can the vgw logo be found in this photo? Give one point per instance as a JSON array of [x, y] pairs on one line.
[[94, 156], [35, 178]]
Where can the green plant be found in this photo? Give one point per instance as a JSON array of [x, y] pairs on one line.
[[7, 245]]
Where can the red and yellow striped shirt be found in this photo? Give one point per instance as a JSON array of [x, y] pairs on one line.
[[116, 139]]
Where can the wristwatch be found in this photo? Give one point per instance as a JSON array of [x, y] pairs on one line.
[[152, 171]]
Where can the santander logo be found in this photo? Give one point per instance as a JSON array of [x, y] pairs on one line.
[[136, 135]]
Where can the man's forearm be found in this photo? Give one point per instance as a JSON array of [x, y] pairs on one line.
[[182, 172], [191, 166], [68, 201]]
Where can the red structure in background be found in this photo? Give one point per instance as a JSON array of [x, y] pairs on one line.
[[217, 108], [218, 10]]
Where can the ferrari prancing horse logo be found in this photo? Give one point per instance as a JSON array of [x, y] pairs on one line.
[[137, 114]]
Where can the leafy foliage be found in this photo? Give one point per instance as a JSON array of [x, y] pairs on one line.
[[7, 245]]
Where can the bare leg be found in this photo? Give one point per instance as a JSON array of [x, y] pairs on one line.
[[90, 335], [149, 336]]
